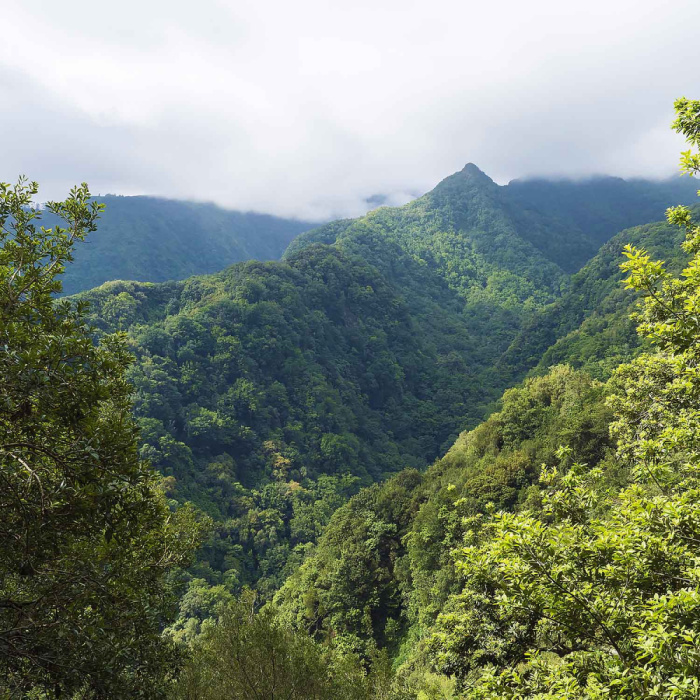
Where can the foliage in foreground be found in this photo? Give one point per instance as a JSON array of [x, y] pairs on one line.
[[598, 595], [86, 536]]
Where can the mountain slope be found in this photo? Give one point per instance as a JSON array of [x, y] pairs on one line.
[[457, 246], [393, 570], [565, 221], [584, 214], [383, 568], [154, 240], [462, 231], [503, 253], [269, 392], [590, 326]]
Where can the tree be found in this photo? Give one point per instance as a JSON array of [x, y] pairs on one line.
[[251, 654], [86, 536], [598, 595]]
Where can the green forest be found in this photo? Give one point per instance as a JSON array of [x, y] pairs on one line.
[[152, 239], [442, 451]]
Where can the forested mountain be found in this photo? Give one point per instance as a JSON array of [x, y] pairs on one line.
[[585, 213], [505, 254], [385, 576], [566, 221], [270, 392], [398, 568], [548, 554], [297, 405], [155, 240]]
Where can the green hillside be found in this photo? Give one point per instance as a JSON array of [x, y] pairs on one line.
[[505, 253], [566, 221], [270, 392], [549, 553], [586, 213], [458, 247], [383, 569], [462, 232], [590, 326], [155, 240]]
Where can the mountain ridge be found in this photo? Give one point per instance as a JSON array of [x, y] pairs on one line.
[[566, 220], [154, 239]]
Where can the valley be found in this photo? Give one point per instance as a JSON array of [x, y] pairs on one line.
[[338, 422]]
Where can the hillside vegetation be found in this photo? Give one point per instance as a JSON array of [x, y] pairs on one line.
[[155, 240], [590, 325], [432, 453], [269, 393], [505, 252], [552, 552], [383, 568]]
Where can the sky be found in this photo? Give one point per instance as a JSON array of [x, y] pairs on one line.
[[306, 108]]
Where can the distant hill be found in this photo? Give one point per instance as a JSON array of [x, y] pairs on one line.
[[584, 214], [457, 242], [566, 221], [155, 240]]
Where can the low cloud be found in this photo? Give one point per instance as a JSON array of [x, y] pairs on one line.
[[311, 108]]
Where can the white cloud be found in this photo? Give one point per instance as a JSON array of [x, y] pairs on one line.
[[308, 108]]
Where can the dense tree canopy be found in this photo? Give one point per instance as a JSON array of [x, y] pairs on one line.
[[590, 326], [267, 394], [383, 568], [86, 534], [249, 653], [596, 594], [551, 552]]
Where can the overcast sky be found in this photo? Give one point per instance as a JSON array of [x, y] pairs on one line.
[[306, 108]]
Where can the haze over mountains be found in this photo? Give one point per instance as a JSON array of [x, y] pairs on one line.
[[151, 239]]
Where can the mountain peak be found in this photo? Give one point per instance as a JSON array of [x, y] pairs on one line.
[[473, 174], [468, 179], [474, 170]]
